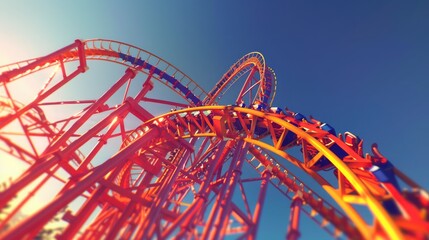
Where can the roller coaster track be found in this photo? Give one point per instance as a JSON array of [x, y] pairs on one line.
[[178, 174]]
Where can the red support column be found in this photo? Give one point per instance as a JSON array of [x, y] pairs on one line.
[[224, 199], [208, 228], [188, 217], [99, 226], [125, 215], [259, 205], [295, 210], [147, 86], [82, 57], [155, 209]]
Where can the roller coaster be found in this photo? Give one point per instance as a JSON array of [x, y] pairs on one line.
[[152, 155]]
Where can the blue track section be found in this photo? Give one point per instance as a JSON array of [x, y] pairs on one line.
[[162, 75]]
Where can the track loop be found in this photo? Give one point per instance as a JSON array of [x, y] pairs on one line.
[[261, 91]]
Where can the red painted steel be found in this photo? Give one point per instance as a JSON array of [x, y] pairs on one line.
[[295, 211], [117, 164]]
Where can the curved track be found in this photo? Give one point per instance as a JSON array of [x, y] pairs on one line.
[[258, 87], [113, 51]]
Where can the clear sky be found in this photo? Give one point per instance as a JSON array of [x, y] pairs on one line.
[[360, 66]]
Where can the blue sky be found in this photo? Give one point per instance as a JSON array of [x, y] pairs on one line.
[[362, 67]]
